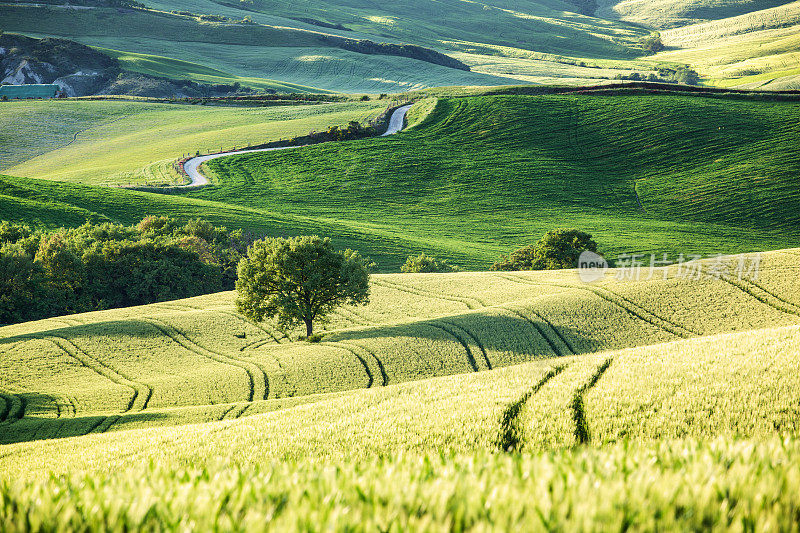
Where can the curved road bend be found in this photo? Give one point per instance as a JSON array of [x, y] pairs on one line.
[[192, 166]]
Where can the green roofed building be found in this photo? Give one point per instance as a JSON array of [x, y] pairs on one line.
[[29, 91]]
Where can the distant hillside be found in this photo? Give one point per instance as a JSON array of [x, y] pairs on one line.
[[83, 71]]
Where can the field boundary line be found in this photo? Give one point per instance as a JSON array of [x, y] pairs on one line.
[[461, 341], [538, 328], [140, 390], [181, 339], [511, 437], [474, 338], [582, 432]]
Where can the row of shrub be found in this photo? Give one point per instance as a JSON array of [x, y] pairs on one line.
[[103, 266]]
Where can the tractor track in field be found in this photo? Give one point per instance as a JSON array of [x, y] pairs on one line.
[[474, 338], [511, 437], [460, 340], [384, 376], [620, 301], [556, 351], [556, 333], [197, 179], [358, 320], [13, 407], [640, 312], [258, 387], [367, 370], [67, 405], [141, 391], [766, 297], [582, 431]]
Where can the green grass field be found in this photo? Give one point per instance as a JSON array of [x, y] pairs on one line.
[[497, 400], [127, 368], [514, 167], [677, 414], [117, 142], [473, 178]]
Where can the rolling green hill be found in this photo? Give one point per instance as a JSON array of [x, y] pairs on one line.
[[120, 142], [128, 368], [487, 169], [473, 178], [301, 46], [293, 434]]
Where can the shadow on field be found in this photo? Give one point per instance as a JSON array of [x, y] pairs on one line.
[[110, 329], [500, 337], [39, 428]]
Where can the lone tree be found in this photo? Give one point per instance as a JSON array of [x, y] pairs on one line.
[[559, 248], [299, 280]]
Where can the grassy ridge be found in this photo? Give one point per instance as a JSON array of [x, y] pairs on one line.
[[297, 60], [497, 168], [117, 369], [473, 178]]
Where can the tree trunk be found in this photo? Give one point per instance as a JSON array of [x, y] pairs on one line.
[[309, 327]]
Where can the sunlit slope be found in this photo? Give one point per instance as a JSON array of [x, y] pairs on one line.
[[132, 367], [659, 167], [288, 57], [119, 142], [552, 26], [739, 385], [755, 50], [664, 14]]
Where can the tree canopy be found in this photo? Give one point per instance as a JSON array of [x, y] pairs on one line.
[[559, 248], [299, 280]]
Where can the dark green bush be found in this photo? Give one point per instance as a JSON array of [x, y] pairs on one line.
[[559, 248], [102, 266], [425, 263]]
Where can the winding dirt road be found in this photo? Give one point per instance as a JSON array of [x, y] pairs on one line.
[[192, 166]]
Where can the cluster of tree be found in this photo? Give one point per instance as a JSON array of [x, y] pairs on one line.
[[425, 263], [683, 75], [560, 248], [354, 130], [365, 46], [103, 266], [652, 44]]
